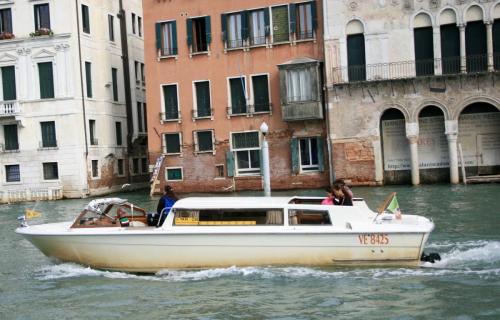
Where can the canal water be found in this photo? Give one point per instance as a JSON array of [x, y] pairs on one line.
[[465, 284]]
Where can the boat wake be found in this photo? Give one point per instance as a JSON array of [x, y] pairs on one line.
[[472, 258]]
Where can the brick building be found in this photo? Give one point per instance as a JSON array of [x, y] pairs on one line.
[[218, 70]]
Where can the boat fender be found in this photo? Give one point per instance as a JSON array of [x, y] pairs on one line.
[[431, 257]]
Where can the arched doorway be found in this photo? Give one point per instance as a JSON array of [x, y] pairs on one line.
[[395, 148], [432, 146], [479, 136]]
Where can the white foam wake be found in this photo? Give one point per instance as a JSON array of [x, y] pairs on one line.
[[468, 253]]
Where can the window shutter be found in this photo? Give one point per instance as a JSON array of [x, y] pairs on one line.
[[314, 16], [223, 20], [158, 35], [230, 163], [244, 25], [295, 155], [208, 30], [46, 79], [189, 31], [321, 164], [266, 22], [9, 83], [174, 37], [88, 77], [292, 17]]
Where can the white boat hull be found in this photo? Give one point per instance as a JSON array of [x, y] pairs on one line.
[[151, 251]]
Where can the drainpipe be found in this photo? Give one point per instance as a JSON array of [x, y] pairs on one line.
[[126, 79], [329, 143], [83, 93]]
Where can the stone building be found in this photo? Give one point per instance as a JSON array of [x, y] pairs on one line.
[[72, 120], [411, 83], [220, 69]]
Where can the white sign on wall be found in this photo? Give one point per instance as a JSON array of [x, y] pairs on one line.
[[479, 134]]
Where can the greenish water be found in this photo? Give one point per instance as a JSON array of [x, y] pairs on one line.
[[465, 284]]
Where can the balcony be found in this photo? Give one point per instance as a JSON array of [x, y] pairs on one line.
[[9, 108], [475, 64], [302, 110]]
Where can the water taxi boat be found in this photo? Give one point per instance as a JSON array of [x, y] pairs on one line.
[[198, 232]]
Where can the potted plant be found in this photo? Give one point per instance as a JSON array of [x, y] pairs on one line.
[[6, 35], [42, 32]]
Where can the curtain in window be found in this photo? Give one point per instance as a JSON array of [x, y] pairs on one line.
[[258, 28], [304, 21], [234, 31], [169, 40], [299, 85]]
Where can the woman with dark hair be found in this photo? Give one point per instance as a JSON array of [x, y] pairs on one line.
[[343, 193]]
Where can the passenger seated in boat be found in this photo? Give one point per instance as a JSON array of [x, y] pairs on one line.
[[166, 203], [330, 199], [122, 217], [343, 193]]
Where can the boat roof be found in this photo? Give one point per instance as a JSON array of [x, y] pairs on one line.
[[236, 202]]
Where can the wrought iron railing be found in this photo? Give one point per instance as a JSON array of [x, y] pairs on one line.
[[202, 113], [256, 41], [304, 34], [414, 68], [170, 115], [170, 51]]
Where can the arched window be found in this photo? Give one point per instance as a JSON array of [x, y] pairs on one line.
[[475, 40], [424, 45], [356, 61], [450, 42]]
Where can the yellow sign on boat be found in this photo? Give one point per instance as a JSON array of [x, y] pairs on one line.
[[30, 214]]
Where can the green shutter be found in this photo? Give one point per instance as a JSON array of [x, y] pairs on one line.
[[280, 24], [189, 31], [46, 78], [295, 155], [321, 163], [244, 25], [203, 99], [223, 21], [238, 100], [88, 78], [260, 93], [292, 17], [10, 136], [174, 37], [266, 22], [9, 83], [48, 134], [230, 163], [170, 101], [208, 30], [314, 16], [158, 35], [424, 51]]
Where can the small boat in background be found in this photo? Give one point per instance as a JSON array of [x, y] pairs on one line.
[[199, 232]]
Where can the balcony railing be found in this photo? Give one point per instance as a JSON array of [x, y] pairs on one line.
[[414, 68], [9, 108], [202, 113]]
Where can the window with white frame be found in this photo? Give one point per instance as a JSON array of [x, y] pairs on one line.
[[12, 173], [172, 143], [237, 89], [170, 102], [204, 141], [42, 17], [305, 16], [173, 174], [5, 21], [257, 27], [168, 38], [50, 171], [202, 93], [308, 154], [198, 34], [246, 146], [299, 85]]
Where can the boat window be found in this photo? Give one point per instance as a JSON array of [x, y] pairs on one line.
[[297, 200], [310, 217], [228, 217]]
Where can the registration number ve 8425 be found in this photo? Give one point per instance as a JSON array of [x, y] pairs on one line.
[[373, 239]]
